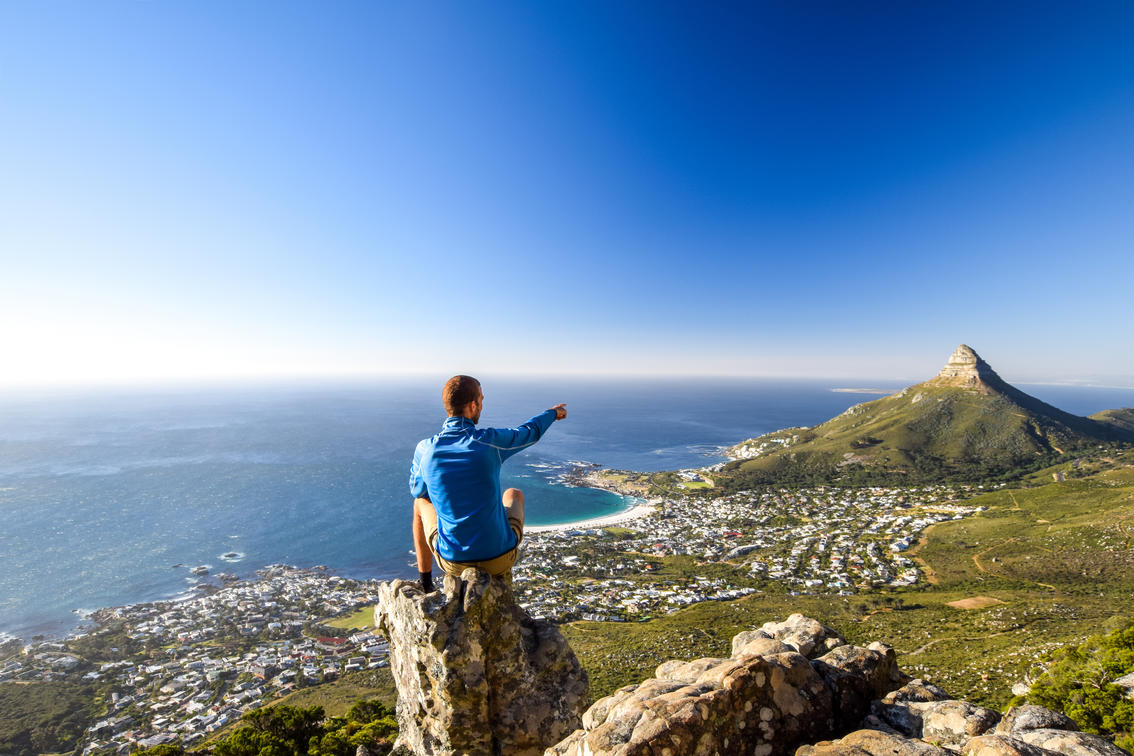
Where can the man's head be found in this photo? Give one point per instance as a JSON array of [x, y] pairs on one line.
[[462, 397]]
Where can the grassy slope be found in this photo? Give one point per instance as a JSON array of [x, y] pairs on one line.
[[337, 698], [1061, 580], [1123, 419], [41, 717]]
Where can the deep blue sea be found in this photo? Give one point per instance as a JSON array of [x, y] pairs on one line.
[[103, 492]]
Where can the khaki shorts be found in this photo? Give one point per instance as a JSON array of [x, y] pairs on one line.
[[499, 565]]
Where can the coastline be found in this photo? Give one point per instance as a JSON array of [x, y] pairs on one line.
[[640, 509], [88, 620]]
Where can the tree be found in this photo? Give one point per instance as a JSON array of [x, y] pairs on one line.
[[165, 749], [293, 731], [248, 741], [275, 731], [1079, 683]]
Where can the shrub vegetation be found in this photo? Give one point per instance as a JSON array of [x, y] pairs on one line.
[[296, 731], [1080, 683]]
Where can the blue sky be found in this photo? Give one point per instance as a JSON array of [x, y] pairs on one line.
[[195, 190]]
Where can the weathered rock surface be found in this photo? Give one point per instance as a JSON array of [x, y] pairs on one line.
[[1029, 717], [872, 743], [475, 673], [1001, 745], [948, 722], [801, 634], [856, 676], [752, 703], [954, 723], [1071, 743], [965, 368], [916, 690]]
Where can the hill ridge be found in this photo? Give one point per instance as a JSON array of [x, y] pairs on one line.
[[964, 423]]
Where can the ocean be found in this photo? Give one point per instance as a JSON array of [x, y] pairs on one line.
[[110, 497]]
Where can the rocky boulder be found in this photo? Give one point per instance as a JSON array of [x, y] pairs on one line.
[[767, 698], [916, 690], [954, 723], [1030, 717], [856, 676], [1001, 745], [801, 634], [872, 743], [922, 710], [475, 673], [1071, 743]]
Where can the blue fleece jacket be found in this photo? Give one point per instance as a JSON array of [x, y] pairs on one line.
[[459, 471]]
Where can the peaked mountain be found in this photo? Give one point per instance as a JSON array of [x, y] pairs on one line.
[[965, 423]]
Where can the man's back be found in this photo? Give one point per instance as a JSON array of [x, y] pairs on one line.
[[459, 471], [460, 517]]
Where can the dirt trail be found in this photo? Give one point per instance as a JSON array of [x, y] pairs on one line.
[[1125, 530], [973, 638], [923, 539]]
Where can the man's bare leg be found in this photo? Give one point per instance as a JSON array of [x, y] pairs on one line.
[[423, 507], [514, 506]]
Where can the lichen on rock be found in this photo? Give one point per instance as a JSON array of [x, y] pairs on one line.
[[475, 673]]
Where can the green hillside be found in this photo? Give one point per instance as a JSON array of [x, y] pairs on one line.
[[1120, 419], [965, 423]]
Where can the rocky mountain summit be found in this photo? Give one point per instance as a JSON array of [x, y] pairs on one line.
[[477, 676], [966, 369]]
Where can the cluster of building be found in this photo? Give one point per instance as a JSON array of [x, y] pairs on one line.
[[618, 600], [207, 660], [756, 447], [811, 540]]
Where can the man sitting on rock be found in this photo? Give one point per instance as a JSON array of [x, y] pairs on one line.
[[460, 517]]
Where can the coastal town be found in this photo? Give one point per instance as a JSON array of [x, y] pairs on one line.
[[178, 671], [822, 539]]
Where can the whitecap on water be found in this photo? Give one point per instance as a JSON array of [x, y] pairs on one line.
[[232, 556]]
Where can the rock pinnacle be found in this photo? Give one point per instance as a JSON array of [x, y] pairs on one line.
[[966, 368]]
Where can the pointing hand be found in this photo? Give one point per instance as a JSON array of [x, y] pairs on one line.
[[560, 411]]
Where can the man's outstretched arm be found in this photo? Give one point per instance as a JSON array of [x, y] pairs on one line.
[[508, 441]]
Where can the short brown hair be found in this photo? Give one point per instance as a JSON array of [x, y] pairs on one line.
[[459, 391]]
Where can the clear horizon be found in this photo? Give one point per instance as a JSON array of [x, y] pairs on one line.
[[269, 191]]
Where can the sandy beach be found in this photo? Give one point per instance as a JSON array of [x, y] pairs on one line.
[[638, 510]]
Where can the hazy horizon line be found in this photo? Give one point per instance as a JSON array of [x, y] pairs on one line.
[[842, 382]]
